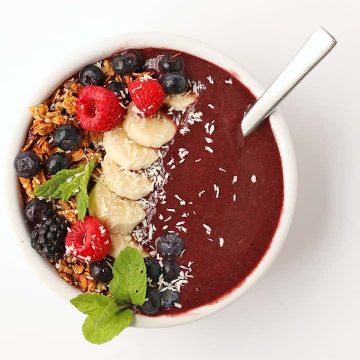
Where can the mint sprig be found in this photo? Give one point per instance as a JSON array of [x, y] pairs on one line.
[[67, 183], [108, 316]]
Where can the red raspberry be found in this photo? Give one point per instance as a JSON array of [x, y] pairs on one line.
[[147, 94], [88, 240], [98, 109]]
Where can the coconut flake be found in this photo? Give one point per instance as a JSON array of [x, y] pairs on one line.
[[210, 79], [207, 228], [221, 242], [217, 190]]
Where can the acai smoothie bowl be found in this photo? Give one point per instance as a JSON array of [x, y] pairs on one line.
[[140, 201]]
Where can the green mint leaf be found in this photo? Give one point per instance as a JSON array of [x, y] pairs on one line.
[[82, 198], [70, 187], [103, 327], [129, 277], [52, 188], [93, 304], [66, 183]]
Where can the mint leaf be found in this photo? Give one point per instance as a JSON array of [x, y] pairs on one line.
[[66, 183], [93, 304], [51, 188], [129, 277], [82, 198], [102, 327]]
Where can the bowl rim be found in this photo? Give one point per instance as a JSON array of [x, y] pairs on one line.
[[104, 48]]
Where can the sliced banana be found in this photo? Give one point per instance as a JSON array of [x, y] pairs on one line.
[[152, 132], [125, 183], [126, 152], [120, 242], [180, 102], [120, 215]]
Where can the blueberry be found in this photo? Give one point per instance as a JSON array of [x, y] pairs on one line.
[[170, 245], [56, 162], [67, 137], [152, 303], [127, 62], [91, 75], [101, 271], [171, 270], [174, 83], [27, 164], [169, 298], [153, 269], [117, 87], [171, 64], [120, 89], [36, 210]]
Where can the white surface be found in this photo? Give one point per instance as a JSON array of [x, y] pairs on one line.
[[319, 44], [307, 306]]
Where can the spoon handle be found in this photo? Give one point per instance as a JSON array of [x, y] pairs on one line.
[[313, 51]]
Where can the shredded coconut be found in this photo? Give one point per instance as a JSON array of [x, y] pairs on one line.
[[209, 149], [210, 80], [221, 242], [207, 228]]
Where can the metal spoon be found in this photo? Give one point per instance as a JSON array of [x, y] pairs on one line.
[[313, 51]]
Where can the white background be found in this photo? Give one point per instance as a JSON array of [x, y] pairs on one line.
[[308, 304]]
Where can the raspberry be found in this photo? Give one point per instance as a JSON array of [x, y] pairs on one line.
[[147, 94], [98, 109], [88, 240]]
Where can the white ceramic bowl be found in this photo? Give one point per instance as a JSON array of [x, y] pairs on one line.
[[104, 48]]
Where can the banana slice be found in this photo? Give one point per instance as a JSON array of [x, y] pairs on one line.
[[125, 183], [152, 132], [180, 102], [118, 214], [120, 242], [126, 152]]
